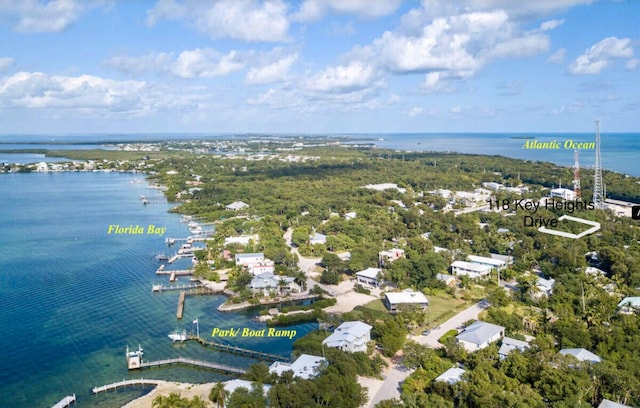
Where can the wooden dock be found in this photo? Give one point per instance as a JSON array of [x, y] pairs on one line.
[[165, 288], [66, 401], [238, 350], [194, 363], [179, 272], [181, 304], [124, 384]]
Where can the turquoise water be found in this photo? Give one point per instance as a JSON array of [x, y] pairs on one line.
[[72, 297]]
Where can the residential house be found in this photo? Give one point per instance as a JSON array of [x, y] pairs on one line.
[[451, 376], [388, 256], [317, 239], [611, 404], [497, 264], [385, 186], [232, 385], [509, 344], [479, 335], [472, 270], [369, 277], [241, 240], [250, 258], [266, 266], [581, 354], [448, 280], [629, 305], [237, 206], [350, 337], [508, 260], [563, 193], [544, 286], [306, 366], [266, 283], [395, 300]]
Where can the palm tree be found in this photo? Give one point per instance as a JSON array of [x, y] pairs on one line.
[[218, 394], [167, 401]]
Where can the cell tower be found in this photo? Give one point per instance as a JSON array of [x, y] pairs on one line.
[[598, 184], [576, 176]]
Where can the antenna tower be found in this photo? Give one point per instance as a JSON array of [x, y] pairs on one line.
[[576, 176], [598, 185]]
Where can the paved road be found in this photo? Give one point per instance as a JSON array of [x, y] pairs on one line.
[[391, 386]]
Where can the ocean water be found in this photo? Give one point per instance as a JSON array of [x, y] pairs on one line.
[[72, 296]]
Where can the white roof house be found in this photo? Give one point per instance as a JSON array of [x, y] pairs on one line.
[[509, 344], [369, 276], [350, 215], [350, 337], [237, 205], [232, 385], [491, 262], [581, 354], [545, 286], [267, 282], [390, 255], [451, 376], [479, 335], [317, 239], [249, 258], [385, 186], [472, 270], [629, 305], [393, 300], [306, 366], [563, 193], [447, 279], [241, 240], [611, 404]]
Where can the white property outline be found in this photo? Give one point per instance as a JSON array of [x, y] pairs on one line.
[[594, 228]]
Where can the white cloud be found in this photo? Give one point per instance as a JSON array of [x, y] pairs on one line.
[[36, 16], [343, 78], [632, 64], [247, 20], [551, 24], [315, 10], [6, 63], [598, 57], [272, 72], [415, 111], [139, 65], [202, 63], [557, 57]]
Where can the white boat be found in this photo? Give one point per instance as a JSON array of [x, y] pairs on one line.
[[180, 336]]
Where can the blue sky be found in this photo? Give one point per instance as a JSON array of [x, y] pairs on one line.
[[318, 66]]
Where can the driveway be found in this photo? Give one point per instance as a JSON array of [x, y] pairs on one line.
[[390, 388]]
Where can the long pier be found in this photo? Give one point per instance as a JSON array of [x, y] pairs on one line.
[[66, 401], [178, 272], [238, 350], [159, 287], [194, 363], [181, 305], [123, 384]]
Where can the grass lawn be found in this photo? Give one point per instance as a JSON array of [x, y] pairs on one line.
[[441, 308]]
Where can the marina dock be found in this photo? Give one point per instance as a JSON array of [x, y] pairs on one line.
[[186, 287], [66, 401], [238, 350], [195, 363], [124, 384], [181, 304], [177, 272]]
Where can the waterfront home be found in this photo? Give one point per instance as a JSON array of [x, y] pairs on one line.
[[268, 283], [451, 376], [250, 258], [266, 266], [395, 300], [306, 366], [581, 354], [369, 277], [472, 270], [243, 240], [509, 344], [237, 206], [232, 385], [350, 337], [479, 335], [629, 305]]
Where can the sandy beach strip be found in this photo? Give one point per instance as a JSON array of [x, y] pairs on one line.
[[167, 387]]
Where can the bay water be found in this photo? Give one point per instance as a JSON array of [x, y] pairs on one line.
[[73, 296]]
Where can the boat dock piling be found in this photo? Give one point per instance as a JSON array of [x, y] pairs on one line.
[[181, 304], [66, 401], [124, 383]]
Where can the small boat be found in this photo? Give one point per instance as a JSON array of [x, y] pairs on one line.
[[180, 336]]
